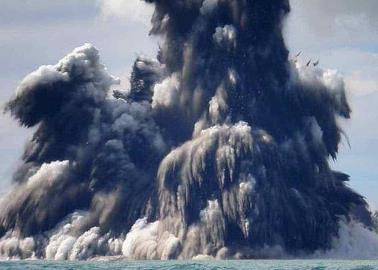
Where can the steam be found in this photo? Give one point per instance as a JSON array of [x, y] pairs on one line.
[[219, 149]]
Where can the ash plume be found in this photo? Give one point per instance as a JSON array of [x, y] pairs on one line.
[[220, 148]]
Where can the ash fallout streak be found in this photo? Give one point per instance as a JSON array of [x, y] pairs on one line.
[[220, 148]]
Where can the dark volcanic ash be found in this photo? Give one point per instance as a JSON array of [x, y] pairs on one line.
[[220, 148]]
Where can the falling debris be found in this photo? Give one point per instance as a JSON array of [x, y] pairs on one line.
[[220, 148]]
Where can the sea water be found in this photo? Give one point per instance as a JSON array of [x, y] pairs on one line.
[[184, 265]]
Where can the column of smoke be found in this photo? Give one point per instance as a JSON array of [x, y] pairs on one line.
[[220, 148]]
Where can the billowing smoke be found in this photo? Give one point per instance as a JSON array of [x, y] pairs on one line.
[[220, 148]]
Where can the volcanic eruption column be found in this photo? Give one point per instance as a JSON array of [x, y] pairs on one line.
[[219, 148]]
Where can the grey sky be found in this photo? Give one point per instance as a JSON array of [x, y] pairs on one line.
[[342, 34]]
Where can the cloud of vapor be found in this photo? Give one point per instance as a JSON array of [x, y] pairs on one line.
[[132, 10], [80, 135], [342, 23], [339, 13], [219, 149]]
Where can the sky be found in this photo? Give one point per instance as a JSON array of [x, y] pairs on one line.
[[341, 34]]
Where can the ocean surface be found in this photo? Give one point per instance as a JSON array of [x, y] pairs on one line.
[[184, 265]]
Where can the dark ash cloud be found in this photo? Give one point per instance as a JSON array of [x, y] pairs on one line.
[[220, 148]]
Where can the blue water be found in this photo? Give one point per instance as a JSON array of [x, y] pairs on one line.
[[180, 265]]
